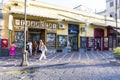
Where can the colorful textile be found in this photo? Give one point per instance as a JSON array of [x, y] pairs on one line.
[[12, 50]]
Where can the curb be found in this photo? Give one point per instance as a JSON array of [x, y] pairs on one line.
[[114, 62], [22, 68]]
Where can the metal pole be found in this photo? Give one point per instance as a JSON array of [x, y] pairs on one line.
[[24, 54], [116, 23], [85, 36]]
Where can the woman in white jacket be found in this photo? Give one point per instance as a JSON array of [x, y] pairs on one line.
[[43, 49]]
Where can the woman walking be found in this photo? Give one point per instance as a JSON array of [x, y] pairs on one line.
[[43, 49], [12, 49]]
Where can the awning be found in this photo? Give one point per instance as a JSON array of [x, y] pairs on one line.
[[69, 18], [99, 24], [114, 27], [118, 30], [114, 30], [36, 13], [47, 14]]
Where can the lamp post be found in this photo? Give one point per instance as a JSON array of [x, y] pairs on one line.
[[116, 23], [24, 54]]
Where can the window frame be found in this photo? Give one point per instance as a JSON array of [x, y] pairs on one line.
[[111, 4]]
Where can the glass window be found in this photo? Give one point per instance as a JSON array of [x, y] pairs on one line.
[[111, 4], [19, 39], [90, 42], [83, 41], [105, 42], [118, 41], [62, 41], [51, 40], [110, 42], [112, 14]]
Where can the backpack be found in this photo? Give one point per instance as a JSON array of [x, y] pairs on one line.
[[27, 47]]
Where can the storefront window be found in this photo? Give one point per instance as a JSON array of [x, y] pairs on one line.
[[19, 39], [51, 40], [118, 41], [83, 41], [62, 41], [105, 42], [110, 41], [90, 42]]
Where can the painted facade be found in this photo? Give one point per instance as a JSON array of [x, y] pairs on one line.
[[58, 27]]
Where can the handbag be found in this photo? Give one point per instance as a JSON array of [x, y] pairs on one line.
[[39, 51]]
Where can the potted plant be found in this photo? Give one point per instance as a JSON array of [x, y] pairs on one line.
[[117, 53]]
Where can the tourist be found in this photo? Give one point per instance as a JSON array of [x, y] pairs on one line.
[[30, 48], [12, 49], [35, 46], [43, 49]]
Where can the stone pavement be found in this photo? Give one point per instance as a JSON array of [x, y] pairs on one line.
[[90, 65], [52, 58]]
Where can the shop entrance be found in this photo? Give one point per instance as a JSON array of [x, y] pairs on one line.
[[73, 41], [97, 43], [34, 37], [36, 34], [73, 31]]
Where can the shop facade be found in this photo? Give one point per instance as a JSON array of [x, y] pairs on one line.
[[36, 30], [59, 28], [101, 38]]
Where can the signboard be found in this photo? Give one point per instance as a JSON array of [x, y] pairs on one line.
[[4, 43], [10, 22], [74, 29]]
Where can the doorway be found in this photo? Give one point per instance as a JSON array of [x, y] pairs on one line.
[[73, 31], [73, 41], [34, 37], [36, 34], [99, 36], [97, 43]]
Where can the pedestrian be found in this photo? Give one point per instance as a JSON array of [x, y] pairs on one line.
[[12, 49], [98, 45], [43, 49], [27, 47], [35, 46], [30, 48]]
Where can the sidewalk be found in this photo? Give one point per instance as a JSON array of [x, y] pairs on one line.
[[62, 66], [13, 64], [8, 64]]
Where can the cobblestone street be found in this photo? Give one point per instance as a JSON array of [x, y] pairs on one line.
[[89, 65]]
